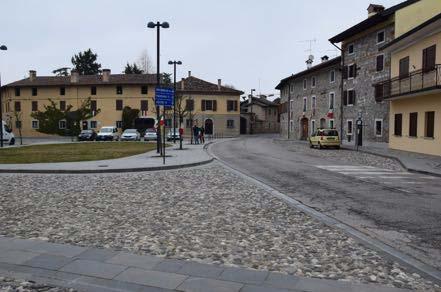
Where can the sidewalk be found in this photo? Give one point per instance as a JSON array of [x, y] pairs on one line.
[[192, 155], [93, 269], [416, 162]]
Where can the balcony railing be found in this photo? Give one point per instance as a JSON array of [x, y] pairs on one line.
[[414, 82]]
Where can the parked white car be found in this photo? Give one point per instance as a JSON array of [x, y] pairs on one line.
[[150, 135], [8, 136], [130, 135], [108, 134]]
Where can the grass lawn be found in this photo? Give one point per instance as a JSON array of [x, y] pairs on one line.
[[73, 152]]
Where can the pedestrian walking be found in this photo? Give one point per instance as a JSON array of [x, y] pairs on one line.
[[202, 138], [196, 134]]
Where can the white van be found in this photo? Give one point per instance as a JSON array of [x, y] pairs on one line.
[[8, 136], [108, 134]]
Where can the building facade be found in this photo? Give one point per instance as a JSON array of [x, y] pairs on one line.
[[109, 94], [259, 115], [414, 89], [311, 100]]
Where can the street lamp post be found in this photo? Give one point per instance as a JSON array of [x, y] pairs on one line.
[[251, 108], [158, 26], [2, 48], [174, 63]]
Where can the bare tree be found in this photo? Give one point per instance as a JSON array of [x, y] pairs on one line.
[[18, 124], [145, 62]]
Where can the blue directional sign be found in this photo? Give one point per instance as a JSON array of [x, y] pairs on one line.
[[164, 97]]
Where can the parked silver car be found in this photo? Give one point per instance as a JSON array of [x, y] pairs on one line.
[[130, 135], [150, 135]]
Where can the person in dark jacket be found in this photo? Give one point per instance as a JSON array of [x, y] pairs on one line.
[[196, 134], [202, 136]]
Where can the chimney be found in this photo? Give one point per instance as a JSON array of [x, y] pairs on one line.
[[189, 73], [182, 84], [309, 63], [219, 82], [106, 75], [32, 75], [325, 58], [374, 9], [74, 76]]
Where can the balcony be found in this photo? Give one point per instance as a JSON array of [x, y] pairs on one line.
[[421, 81]]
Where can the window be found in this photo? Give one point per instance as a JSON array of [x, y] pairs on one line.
[[17, 91], [35, 124], [381, 36], [62, 105], [331, 100], [119, 124], [305, 104], [350, 125], [93, 106], [413, 124], [189, 105], [119, 89], [429, 58], [291, 105], [313, 103], [430, 125], [291, 125], [350, 49], [188, 123], [404, 67], [93, 124], [119, 104], [232, 105], [144, 105], [313, 81], [304, 84], [144, 89], [332, 76], [378, 127], [208, 105], [93, 90], [398, 124], [331, 124], [34, 91], [291, 88], [230, 124], [313, 126], [349, 97], [17, 106], [62, 124], [380, 63], [351, 71], [35, 106], [62, 91]]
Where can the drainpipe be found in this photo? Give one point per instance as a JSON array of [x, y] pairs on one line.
[[341, 89], [289, 110]]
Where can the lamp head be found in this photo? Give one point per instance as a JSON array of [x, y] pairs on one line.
[[165, 24], [179, 63], [3, 48], [151, 24], [170, 62]]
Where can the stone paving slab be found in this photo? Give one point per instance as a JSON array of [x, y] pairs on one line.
[[118, 273], [57, 249]]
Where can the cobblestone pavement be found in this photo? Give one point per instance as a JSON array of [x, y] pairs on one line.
[[204, 214], [348, 156], [14, 285]]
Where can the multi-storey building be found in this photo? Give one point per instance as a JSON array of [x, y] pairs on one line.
[[212, 106], [259, 115], [110, 93], [414, 90], [310, 100]]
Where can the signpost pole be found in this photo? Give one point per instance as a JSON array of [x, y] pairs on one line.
[[163, 135]]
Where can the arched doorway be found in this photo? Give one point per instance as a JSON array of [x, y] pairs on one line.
[[243, 125], [304, 132], [208, 127]]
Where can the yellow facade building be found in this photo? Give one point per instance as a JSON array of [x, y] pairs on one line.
[[414, 90], [109, 93]]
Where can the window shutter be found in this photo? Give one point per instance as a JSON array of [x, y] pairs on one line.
[[345, 97], [214, 105], [353, 97], [203, 105], [235, 105], [345, 72], [429, 58], [355, 70]]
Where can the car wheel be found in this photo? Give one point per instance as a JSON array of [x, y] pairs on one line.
[[310, 145], [337, 147], [320, 145], [12, 142]]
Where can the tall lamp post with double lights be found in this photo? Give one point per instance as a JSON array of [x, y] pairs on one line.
[[174, 63], [158, 26], [2, 48], [251, 108]]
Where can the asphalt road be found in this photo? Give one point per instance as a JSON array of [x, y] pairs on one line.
[[400, 208]]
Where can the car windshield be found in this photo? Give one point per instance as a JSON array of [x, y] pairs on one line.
[[130, 131], [151, 131], [106, 130], [86, 132]]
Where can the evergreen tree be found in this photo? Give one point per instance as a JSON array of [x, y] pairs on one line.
[[133, 69], [85, 63]]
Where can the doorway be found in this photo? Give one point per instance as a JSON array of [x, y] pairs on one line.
[[243, 126], [208, 127], [304, 132]]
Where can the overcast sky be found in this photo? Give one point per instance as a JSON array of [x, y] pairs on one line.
[[247, 43]]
